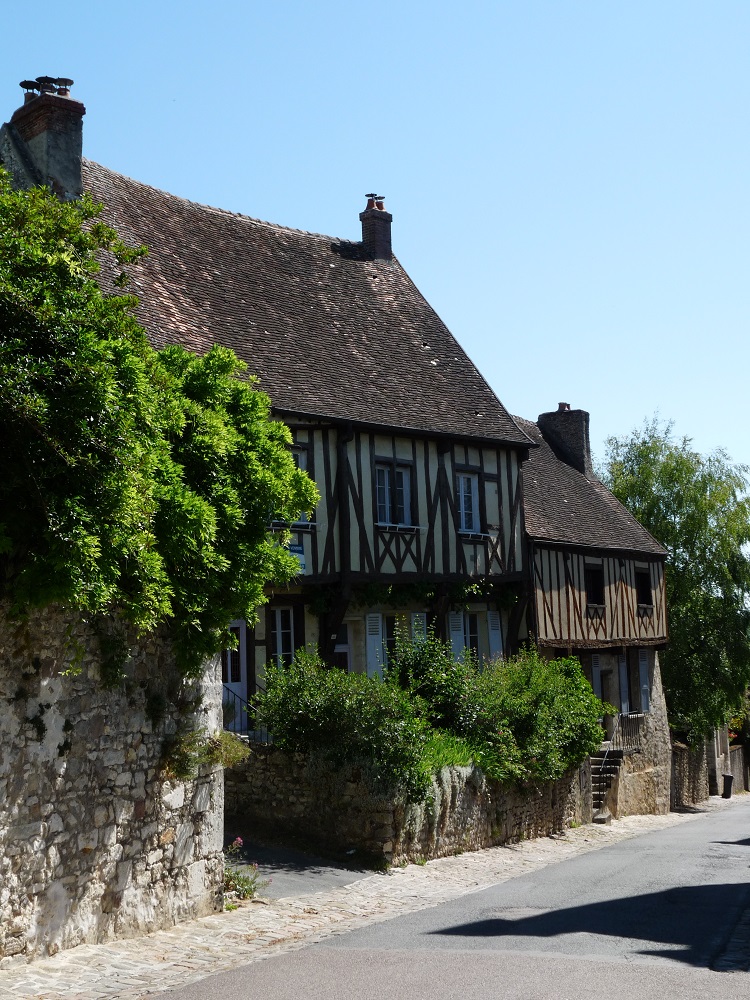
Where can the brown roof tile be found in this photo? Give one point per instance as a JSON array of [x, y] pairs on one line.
[[561, 505], [327, 331]]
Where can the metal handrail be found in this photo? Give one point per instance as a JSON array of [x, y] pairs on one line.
[[239, 716], [626, 735]]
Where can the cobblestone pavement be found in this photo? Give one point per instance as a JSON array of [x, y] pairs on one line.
[[189, 952]]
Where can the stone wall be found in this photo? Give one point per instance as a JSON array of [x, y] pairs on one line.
[[286, 793], [689, 776], [95, 841], [738, 768], [643, 783]]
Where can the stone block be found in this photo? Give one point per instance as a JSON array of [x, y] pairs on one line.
[[196, 879], [173, 795], [184, 848], [202, 797]]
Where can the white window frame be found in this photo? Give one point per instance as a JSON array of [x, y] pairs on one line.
[[300, 460], [283, 655], [237, 659], [467, 501], [388, 510], [344, 649], [460, 631]]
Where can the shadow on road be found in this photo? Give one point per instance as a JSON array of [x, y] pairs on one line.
[[288, 871], [685, 919]]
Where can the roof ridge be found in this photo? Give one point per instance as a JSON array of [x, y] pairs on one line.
[[276, 226]]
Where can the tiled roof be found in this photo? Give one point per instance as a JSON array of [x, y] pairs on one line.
[[328, 332], [561, 505]]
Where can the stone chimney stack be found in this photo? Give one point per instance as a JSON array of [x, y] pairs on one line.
[[376, 228], [47, 135], [567, 431]]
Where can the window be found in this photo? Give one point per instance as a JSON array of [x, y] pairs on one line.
[[644, 594], [341, 649], [393, 494], [467, 496], [231, 668], [594, 579], [382, 632], [282, 635], [639, 681], [391, 625], [463, 627], [300, 460]]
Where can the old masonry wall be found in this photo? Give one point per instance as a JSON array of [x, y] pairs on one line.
[[96, 841]]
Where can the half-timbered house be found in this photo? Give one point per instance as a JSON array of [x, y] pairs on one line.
[[416, 460], [596, 590]]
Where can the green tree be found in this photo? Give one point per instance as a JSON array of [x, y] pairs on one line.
[[131, 480], [697, 507]]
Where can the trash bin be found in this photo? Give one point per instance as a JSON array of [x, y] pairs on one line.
[[728, 779]]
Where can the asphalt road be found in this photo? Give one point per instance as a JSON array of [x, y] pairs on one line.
[[660, 912], [285, 871]]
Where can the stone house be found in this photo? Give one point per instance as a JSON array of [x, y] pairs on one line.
[[596, 590]]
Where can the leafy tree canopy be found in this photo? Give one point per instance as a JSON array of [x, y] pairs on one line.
[[697, 507], [131, 480]]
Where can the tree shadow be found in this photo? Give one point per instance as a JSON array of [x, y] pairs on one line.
[[693, 921], [276, 858]]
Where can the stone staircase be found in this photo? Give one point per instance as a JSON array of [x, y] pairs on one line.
[[605, 764]]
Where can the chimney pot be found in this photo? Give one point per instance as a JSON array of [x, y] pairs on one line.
[[50, 124], [376, 228], [562, 407]]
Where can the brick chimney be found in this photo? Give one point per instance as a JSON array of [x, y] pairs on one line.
[[376, 228], [567, 432], [47, 135]]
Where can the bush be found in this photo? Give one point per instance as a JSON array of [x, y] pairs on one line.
[[443, 686], [543, 713], [347, 718], [525, 718], [520, 720]]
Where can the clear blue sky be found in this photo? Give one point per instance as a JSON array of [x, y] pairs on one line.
[[568, 180]]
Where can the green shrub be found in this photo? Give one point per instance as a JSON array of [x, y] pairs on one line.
[[347, 719], [524, 719], [427, 669], [547, 708]]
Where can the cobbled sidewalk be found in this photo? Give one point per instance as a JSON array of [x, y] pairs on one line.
[[158, 962]]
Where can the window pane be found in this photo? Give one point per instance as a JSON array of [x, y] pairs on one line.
[[471, 633], [282, 636], [383, 491], [467, 496], [594, 580], [400, 504], [643, 587]]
